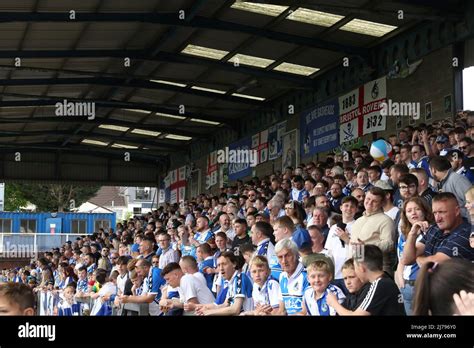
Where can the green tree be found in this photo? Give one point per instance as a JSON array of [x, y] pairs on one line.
[[56, 197], [14, 198]]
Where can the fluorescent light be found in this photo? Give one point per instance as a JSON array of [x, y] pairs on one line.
[[138, 110], [94, 142], [367, 28], [114, 128], [208, 89], [296, 69], [248, 96], [170, 116], [123, 146], [206, 52], [169, 83], [322, 19], [251, 60], [177, 137], [145, 132], [268, 10], [205, 121]]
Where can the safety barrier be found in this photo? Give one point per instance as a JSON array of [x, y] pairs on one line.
[[26, 245], [46, 300]]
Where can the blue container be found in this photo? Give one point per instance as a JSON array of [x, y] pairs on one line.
[[57, 222]]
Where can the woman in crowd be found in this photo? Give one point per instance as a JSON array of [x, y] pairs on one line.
[[438, 285], [414, 210]]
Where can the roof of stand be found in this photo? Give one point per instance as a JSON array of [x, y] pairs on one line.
[[195, 66]]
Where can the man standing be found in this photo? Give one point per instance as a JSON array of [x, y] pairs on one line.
[[203, 232], [396, 172], [363, 181], [456, 158], [335, 197], [374, 227], [225, 226], [191, 290], [419, 158], [241, 236], [442, 145], [449, 181], [339, 238], [168, 254], [298, 193], [146, 249], [261, 234], [152, 285], [388, 208], [448, 238], [467, 148], [424, 190], [293, 280]]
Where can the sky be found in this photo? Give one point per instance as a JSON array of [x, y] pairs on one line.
[[468, 88]]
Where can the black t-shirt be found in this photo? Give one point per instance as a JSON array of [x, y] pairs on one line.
[[353, 301], [128, 287], [383, 298], [237, 242]]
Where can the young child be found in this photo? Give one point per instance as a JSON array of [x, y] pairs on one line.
[[247, 251], [205, 261], [266, 290], [68, 306], [320, 272], [357, 289], [16, 299], [82, 281], [106, 295]]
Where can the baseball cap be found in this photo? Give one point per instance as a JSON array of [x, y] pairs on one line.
[[309, 259], [384, 185], [135, 248], [442, 139], [301, 238]]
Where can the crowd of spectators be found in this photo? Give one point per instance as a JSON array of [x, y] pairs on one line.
[[345, 236]]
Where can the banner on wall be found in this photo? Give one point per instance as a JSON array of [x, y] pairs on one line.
[[275, 133], [319, 129], [260, 143], [240, 170], [223, 176], [167, 188], [211, 172], [177, 186], [290, 145], [360, 110]]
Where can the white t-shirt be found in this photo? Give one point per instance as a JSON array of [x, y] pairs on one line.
[[121, 280], [168, 256], [337, 251], [198, 275], [268, 294], [191, 286]]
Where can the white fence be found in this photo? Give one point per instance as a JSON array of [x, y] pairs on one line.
[[17, 244]]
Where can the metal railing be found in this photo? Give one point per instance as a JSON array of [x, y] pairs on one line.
[[46, 301], [17, 244]]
